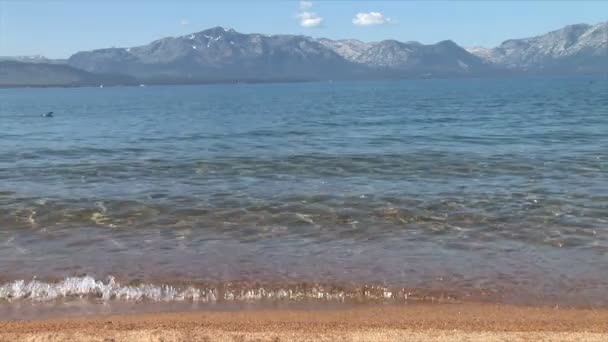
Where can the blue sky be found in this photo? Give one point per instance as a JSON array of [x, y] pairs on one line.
[[59, 28]]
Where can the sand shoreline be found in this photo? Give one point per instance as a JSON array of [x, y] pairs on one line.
[[419, 322]]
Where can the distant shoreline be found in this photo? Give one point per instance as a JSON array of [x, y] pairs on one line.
[[295, 81]]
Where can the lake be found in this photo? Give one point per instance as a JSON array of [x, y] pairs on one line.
[[482, 189]]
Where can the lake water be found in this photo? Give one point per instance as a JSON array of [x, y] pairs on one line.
[[491, 189]]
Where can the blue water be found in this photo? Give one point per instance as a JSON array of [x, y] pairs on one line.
[[494, 186]]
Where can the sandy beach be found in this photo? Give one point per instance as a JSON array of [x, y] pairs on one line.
[[423, 322]]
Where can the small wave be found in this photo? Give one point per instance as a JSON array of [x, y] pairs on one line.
[[90, 288]]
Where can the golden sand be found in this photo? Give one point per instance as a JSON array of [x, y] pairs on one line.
[[447, 322]]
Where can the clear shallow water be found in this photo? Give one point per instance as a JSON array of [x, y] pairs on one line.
[[492, 189]]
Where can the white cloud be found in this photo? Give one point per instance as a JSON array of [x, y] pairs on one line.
[[304, 5], [184, 22], [309, 19], [371, 18]]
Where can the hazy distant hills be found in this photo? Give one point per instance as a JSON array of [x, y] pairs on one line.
[[224, 55], [40, 74], [32, 59]]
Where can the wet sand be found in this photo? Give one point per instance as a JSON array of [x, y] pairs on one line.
[[418, 322]]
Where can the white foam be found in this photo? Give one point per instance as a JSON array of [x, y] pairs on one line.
[[31, 218], [101, 206], [305, 218], [89, 287]]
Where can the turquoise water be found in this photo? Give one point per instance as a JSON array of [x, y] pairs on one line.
[[491, 188]]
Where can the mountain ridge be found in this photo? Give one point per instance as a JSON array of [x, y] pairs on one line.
[[218, 53], [577, 47], [221, 54]]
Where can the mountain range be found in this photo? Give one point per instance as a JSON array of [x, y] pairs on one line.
[[574, 48], [225, 55]]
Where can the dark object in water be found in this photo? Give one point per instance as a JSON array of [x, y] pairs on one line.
[[48, 115]]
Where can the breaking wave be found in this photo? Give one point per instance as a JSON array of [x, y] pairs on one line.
[[90, 288]]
